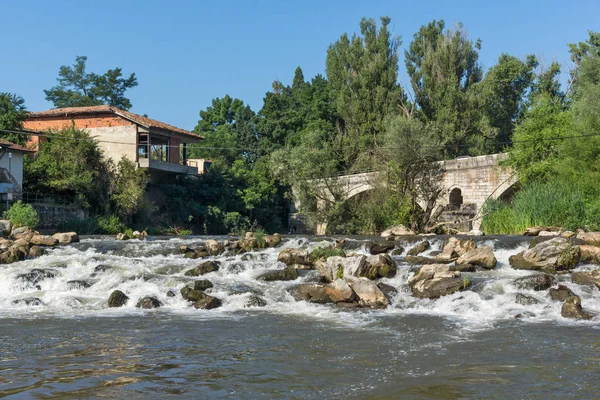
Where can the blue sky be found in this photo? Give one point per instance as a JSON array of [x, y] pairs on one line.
[[185, 53]]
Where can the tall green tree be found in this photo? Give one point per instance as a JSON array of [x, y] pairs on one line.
[[506, 86], [362, 71], [445, 72], [229, 128], [79, 88], [12, 115], [128, 188]]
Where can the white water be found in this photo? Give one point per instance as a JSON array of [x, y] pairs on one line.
[[152, 268]]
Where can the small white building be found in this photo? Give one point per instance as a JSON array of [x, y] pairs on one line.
[[11, 168]]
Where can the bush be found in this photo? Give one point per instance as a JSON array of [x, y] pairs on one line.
[[21, 214], [111, 224], [326, 252], [541, 204]]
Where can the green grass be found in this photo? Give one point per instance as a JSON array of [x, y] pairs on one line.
[[542, 204], [326, 252]]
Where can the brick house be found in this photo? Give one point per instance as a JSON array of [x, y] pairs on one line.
[[151, 144]]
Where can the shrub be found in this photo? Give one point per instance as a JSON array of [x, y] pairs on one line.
[[326, 252], [541, 204], [259, 234], [21, 214], [111, 224]]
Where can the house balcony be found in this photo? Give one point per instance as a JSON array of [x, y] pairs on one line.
[[167, 167]]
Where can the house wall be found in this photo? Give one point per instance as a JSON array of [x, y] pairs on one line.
[[108, 128], [14, 166]]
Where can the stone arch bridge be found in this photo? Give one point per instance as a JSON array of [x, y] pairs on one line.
[[466, 181]]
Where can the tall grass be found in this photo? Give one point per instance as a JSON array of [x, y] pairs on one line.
[[542, 204]]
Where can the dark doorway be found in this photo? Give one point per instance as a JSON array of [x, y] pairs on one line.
[[456, 199]]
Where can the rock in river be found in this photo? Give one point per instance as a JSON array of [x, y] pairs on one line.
[[436, 280], [148, 302], [572, 309], [553, 255], [117, 299], [286, 274], [295, 256], [310, 292], [368, 293], [561, 293], [482, 257], [534, 282], [419, 248], [339, 291], [586, 277], [203, 268]]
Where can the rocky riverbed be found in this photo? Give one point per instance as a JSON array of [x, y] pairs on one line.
[[296, 288]]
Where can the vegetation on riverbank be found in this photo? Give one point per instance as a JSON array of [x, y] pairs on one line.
[[355, 118], [556, 153]]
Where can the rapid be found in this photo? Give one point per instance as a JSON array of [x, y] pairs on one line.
[[58, 338]]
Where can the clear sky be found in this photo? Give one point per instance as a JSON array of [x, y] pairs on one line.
[[185, 53]]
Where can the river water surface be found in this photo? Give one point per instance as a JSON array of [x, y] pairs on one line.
[[475, 344]]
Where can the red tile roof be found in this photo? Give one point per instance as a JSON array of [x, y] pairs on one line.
[[135, 118], [14, 147]]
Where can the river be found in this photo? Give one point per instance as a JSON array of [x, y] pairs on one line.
[[474, 344]]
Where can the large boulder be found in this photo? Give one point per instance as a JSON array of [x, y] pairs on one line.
[[5, 227], [22, 232], [213, 247], [380, 247], [340, 292], [13, 254], [454, 248], [43, 240], [203, 268], [482, 257], [560, 293], [310, 292], [586, 277], [590, 254], [117, 299], [295, 257], [286, 274], [340, 267], [368, 293], [419, 248], [35, 252], [191, 294], [436, 280], [379, 266], [591, 238], [398, 230], [536, 282], [148, 302], [272, 240], [556, 254], [66, 237], [572, 309], [191, 252]]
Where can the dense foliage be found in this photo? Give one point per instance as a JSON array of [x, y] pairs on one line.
[[21, 214], [556, 151]]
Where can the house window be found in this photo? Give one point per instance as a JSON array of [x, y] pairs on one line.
[[159, 149]]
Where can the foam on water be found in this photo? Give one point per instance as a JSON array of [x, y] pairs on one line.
[[153, 267]]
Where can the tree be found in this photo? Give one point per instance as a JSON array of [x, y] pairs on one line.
[[70, 163], [78, 88], [444, 72], [229, 128], [413, 176], [506, 85], [12, 115], [128, 188], [362, 72]]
